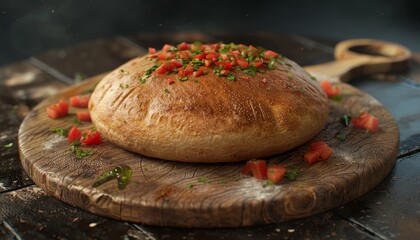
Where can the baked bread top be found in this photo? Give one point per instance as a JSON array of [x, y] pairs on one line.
[[209, 103]]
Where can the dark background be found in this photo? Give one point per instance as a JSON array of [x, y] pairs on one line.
[[30, 27]]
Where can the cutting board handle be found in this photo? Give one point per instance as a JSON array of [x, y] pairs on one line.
[[357, 57]]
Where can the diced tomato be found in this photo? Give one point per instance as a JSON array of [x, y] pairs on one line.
[[183, 46], [54, 111], [215, 46], [84, 116], [224, 72], [319, 151], [167, 47], [74, 135], [252, 48], [162, 69], [176, 63], [208, 62], [257, 167], [258, 63], [226, 65], [91, 137], [275, 173], [171, 81], [152, 50], [80, 101], [181, 73], [329, 89], [212, 56], [243, 63], [189, 70], [184, 54], [162, 55], [200, 56], [198, 73], [195, 47], [270, 54], [366, 121], [58, 110]]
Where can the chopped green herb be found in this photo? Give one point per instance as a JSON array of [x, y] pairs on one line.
[[345, 120], [292, 173], [190, 185], [121, 86], [78, 77], [340, 136], [197, 63], [166, 90], [80, 153], [183, 79], [8, 145], [173, 49], [77, 121], [195, 80], [127, 86], [185, 61], [151, 69], [313, 78], [337, 98], [59, 131], [271, 63], [142, 79], [251, 70], [122, 173], [201, 180], [231, 77], [267, 183]]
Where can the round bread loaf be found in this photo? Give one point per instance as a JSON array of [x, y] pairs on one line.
[[209, 103]]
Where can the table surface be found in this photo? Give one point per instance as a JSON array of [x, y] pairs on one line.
[[389, 211]]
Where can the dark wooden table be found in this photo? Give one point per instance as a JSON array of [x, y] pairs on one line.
[[390, 211]]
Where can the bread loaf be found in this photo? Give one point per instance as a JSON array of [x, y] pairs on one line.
[[209, 103]]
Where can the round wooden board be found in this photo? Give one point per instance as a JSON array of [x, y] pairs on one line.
[[178, 194]]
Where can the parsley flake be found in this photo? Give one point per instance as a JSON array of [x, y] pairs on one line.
[[8, 145], [59, 131]]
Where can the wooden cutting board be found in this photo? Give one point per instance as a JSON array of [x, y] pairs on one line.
[[178, 194]]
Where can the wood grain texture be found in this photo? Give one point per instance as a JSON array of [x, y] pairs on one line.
[[159, 193]]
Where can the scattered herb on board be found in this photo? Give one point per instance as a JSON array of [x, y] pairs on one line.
[[166, 90], [190, 185], [202, 180], [267, 183], [80, 153], [77, 121], [345, 120], [292, 173], [8, 145], [60, 131], [122, 173]]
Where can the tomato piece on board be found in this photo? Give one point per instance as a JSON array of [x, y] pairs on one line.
[[275, 173], [58, 110], [270, 54], [74, 135], [64, 107], [91, 137], [84, 116], [80, 101], [366, 121], [54, 111], [257, 167], [319, 151]]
